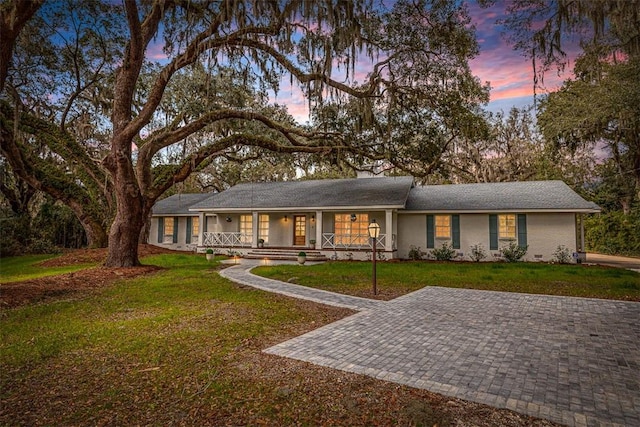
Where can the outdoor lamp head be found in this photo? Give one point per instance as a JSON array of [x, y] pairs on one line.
[[374, 229]]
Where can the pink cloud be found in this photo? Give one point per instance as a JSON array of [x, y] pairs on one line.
[[510, 74], [292, 97], [155, 52]]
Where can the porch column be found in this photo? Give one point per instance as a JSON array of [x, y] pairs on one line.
[[395, 229], [388, 229], [318, 230], [582, 249], [202, 224], [254, 230]]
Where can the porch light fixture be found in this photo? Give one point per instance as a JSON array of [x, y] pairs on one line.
[[228, 219], [374, 232], [286, 218], [353, 217], [313, 218]]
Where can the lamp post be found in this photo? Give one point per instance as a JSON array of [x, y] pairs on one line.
[[374, 232]]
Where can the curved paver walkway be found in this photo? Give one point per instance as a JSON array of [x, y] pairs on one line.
[[571, 360], [240, 274]]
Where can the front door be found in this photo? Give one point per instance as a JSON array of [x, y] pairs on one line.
[[299, 230]]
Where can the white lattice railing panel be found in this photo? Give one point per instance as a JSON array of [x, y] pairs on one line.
[[354, 241], [227, 239]]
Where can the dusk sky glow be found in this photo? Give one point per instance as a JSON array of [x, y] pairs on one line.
[[509, 73]]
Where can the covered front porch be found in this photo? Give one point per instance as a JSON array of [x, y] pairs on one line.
[[333, 233]]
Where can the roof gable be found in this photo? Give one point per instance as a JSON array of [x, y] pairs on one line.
[[356, 192]]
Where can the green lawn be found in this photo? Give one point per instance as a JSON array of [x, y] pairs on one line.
[[183, 346], [396, 278], [19, 268], [138, 345]]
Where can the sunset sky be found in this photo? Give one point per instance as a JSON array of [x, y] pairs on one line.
[[509, 73]]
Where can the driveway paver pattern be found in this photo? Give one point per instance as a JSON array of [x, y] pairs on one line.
[[570, 360]]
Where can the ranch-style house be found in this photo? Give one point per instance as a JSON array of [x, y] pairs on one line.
[[330, 217]]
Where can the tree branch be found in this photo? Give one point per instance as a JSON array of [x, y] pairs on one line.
[[183, 170]]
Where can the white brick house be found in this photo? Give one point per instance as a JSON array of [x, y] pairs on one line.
[[331, 216]]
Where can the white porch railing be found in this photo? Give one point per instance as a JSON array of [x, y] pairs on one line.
[[227, 239], [355, 241]]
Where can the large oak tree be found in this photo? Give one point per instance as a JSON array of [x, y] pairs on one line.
[[111, 102]]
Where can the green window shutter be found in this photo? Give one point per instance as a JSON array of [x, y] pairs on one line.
[[522, 230], [189, 230], [175, 229], [431, 235], [160, 229], [455, 231], [493, 232]]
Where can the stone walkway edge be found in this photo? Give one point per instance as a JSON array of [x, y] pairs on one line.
[[241, 274]]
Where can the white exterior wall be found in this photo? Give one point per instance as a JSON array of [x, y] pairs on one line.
[[281, 231], [545, 232], [412, 231], [182, 244], [153, 232], [474, 229]]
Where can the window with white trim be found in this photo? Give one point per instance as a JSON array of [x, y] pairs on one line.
[[246, 228], [263, 228], [168, 229], [507, 226], [195, 228], [349, 232], [443, 226]]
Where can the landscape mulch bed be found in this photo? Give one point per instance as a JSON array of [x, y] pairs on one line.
[[70, 284]]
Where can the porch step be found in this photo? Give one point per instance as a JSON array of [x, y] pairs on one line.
[[291, 255]]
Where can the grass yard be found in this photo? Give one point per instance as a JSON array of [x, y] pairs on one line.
[[398, 278], [15, 269], [183, 346]]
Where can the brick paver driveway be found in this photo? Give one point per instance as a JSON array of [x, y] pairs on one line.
[[570, 360]]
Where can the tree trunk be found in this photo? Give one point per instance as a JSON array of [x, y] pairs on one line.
[[96, 234], [14, 15], [146, 228], [124, 235]]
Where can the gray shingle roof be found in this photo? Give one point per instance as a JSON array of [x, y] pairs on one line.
[[178, 204], [501, 196], [384, 192], [357, 192]]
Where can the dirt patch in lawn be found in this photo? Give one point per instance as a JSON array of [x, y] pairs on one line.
[[70, 284], [245, 386], [88, 256], [199, 385]]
